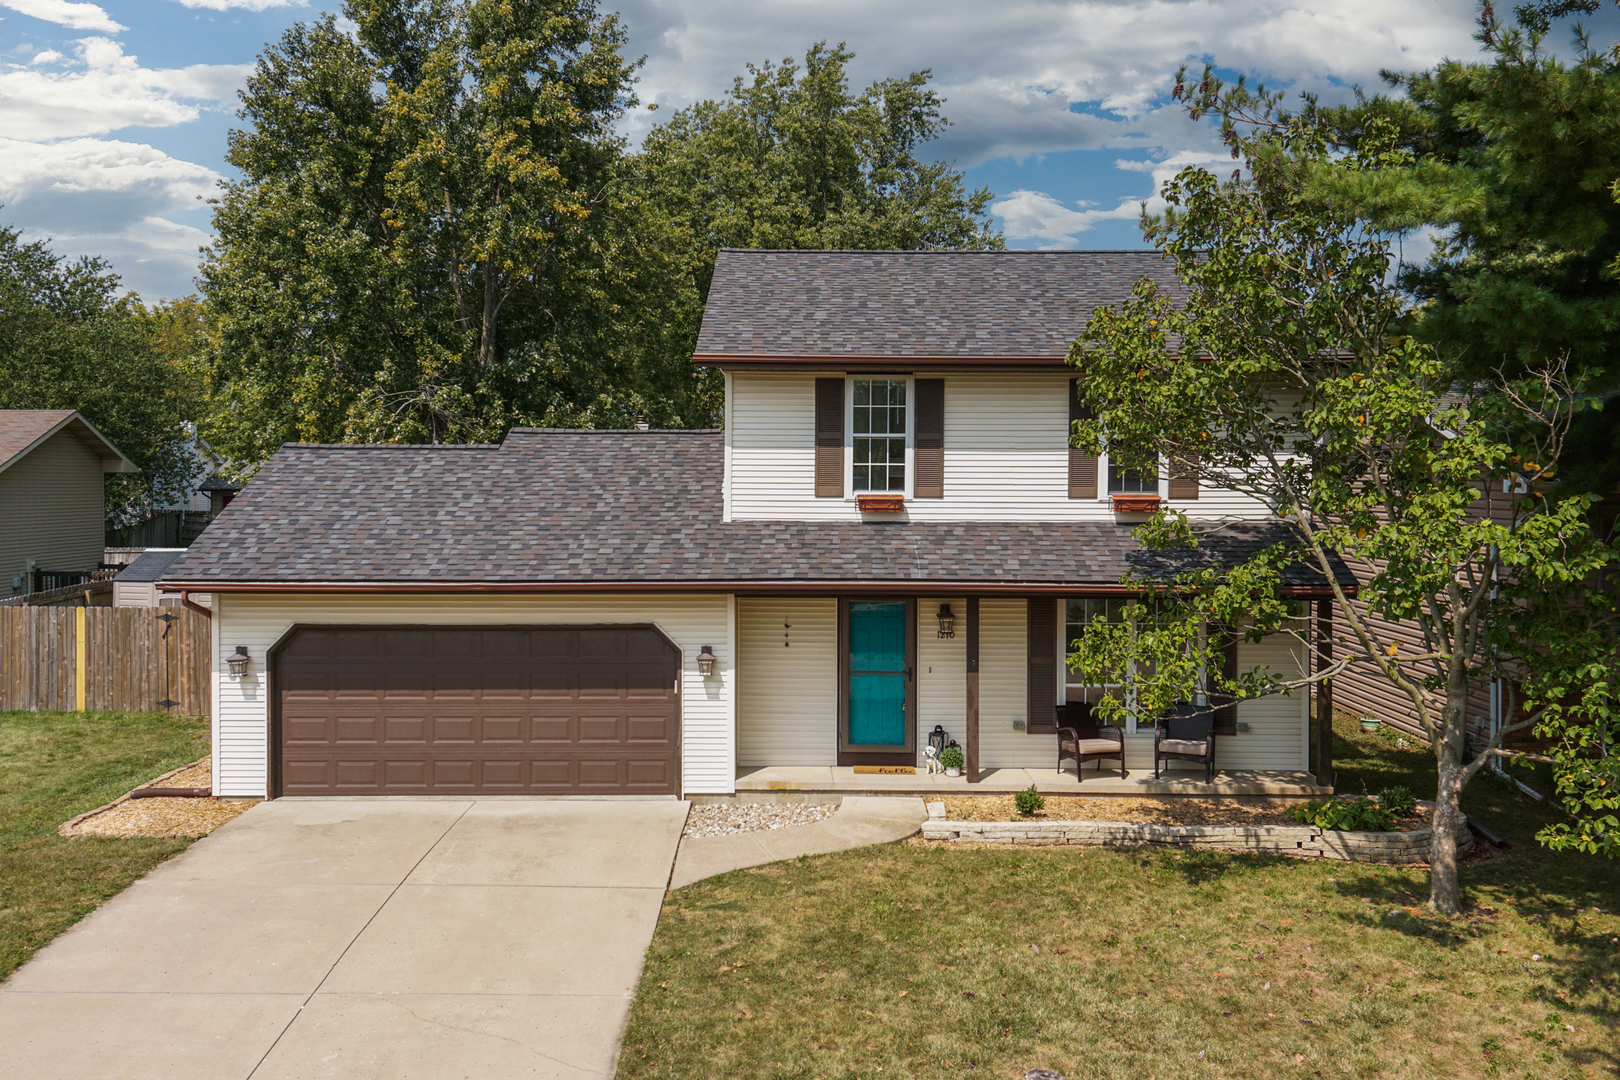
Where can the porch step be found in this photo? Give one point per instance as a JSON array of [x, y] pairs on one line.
[[795, 783]]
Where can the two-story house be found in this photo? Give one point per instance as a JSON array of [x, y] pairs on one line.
[[889, 533]]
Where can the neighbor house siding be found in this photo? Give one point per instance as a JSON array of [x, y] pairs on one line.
[[53, 508], [787, 682], [1006, 455], [258, 621]]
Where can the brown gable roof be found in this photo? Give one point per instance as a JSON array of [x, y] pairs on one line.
[[619, 510], [963, 306], [20, 429]]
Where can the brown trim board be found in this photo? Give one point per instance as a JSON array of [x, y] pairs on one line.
[[744, 588]]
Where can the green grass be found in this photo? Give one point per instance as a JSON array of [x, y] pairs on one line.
[[54, 765], [918, 960]]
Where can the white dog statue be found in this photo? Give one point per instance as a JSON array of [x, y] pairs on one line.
[[931, 756]]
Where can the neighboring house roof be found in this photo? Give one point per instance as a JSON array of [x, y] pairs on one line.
[[965, 306], [150, 564], [21, 430], [216, 482], [623, 510]]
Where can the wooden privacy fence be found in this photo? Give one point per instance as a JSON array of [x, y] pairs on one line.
[[121, 659]]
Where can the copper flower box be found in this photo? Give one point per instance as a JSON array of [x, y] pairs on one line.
[[1135, 504], [880, 504]]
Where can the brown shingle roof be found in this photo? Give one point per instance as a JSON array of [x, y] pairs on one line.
[[21, 428], [958, 305], [595, 507]]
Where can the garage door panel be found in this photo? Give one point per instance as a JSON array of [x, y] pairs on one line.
[[462, 710]]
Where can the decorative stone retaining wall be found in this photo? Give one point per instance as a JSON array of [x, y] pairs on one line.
[[1379, 847]]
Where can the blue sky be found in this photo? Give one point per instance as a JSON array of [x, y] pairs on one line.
[[114, 115]]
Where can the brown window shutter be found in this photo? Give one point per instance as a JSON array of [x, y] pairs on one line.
[[929, 482], [1183, 478], [1226, 714], [1041, 706], [1082, 466], [829, 438]]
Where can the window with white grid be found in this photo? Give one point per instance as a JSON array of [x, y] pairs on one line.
[[880, 434]]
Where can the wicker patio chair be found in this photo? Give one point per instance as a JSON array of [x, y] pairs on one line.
[[1080, 739], [1187, 734]]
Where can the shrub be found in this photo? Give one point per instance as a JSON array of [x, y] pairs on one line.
[[952, 757], [1029, 800], [1354, 814], [1397, 802]]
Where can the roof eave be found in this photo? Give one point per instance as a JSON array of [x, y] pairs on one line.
[[118, 462], [752, 587]]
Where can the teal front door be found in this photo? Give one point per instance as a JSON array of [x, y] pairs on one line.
[[878, 677]]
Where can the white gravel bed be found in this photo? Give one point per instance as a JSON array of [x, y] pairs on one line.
[[723, 819]]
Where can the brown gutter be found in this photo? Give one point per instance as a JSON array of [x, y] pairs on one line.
[[185, 598], [747, 588], [833, 361]]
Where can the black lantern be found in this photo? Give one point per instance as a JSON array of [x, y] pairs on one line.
[[238, 662], [705, 661], [936, 739], [947, 621]]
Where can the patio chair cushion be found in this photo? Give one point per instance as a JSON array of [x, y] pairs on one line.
[[1183, 746], [1097, 746]]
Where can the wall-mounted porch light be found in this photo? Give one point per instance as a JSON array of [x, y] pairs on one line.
[[238, 662], [705, 661], [947, 621]]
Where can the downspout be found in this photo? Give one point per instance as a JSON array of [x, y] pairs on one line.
[[185, 598]]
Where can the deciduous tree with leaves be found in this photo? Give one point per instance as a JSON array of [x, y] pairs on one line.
[[1284, 376]]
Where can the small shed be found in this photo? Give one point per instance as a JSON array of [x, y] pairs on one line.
[[136, 584]]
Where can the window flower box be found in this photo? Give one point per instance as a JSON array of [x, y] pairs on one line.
[[1132, 503], [880, 503]]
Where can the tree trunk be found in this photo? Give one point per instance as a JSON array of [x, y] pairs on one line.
[[492, 307], [1445, 887]]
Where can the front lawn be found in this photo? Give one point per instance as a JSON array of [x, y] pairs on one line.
[[54, 765], [920, 960]]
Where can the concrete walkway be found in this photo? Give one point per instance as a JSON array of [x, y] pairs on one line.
[[391, 938], [858, 822]]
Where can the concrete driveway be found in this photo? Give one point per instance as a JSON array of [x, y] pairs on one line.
[[388, 938]]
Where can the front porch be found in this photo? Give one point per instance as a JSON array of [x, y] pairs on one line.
[[782, 783]]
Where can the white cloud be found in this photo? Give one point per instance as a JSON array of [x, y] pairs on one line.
[[106, 89], [49, 56], [1014, 71], [246, 5], [63, 13], [115, 199], [1035, 215]]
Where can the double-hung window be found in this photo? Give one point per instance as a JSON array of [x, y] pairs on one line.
[[1123, 481], [880, 435]]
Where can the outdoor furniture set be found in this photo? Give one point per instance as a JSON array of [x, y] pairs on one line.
[[1186, 734]]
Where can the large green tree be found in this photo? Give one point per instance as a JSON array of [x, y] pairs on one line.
[[794, 158], [1285, 376], [431, 239], [1513, 165], [69, 341]]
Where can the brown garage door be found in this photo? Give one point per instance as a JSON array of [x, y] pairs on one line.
[[470, 711]]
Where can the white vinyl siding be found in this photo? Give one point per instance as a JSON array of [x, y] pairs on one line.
[[942, 673], [787, 682], [1003, 677], [1006, 454], [241, 724]]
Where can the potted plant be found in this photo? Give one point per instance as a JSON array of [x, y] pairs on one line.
[[1370, 724], [952, 758]]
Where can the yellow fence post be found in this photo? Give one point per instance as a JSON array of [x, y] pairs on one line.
[[81, 668]]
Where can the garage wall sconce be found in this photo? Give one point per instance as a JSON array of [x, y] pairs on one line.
[[238, 662], [705, 661], [947, 621]]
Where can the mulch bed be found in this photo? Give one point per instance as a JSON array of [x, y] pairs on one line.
[[1233, 810], [124, 817]]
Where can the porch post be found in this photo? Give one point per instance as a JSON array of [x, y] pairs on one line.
[[973, 690], [1324, 693]]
